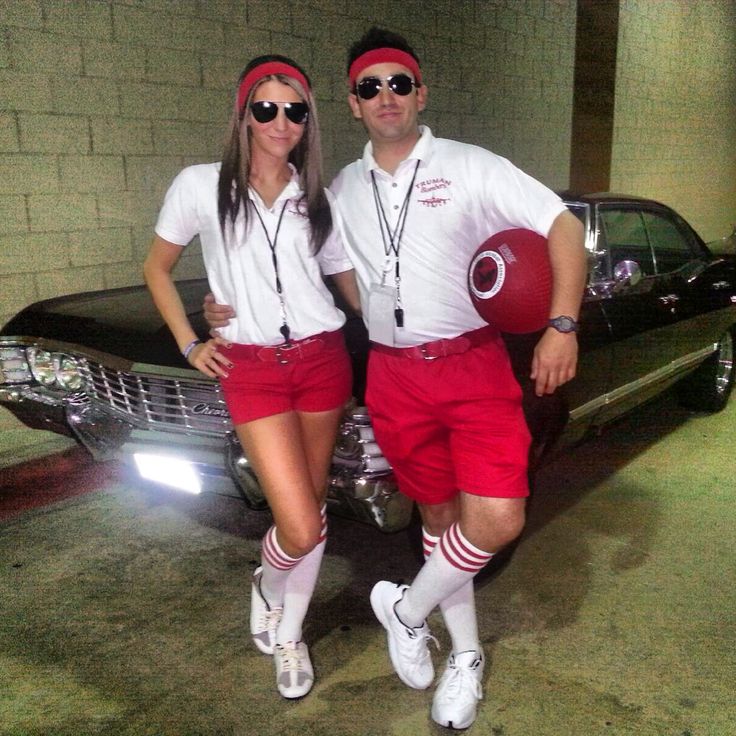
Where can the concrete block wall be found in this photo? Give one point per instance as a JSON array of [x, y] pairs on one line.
[[102, 102], [675, 113]]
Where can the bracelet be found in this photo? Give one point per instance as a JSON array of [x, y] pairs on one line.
[[188, 349]]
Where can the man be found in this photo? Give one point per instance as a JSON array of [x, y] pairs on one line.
[[445, 406]]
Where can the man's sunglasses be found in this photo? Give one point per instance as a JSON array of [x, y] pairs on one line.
[[399, 84], [265, 111]]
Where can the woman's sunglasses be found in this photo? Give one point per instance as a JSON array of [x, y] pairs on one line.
[[265, 111], [399, 84]]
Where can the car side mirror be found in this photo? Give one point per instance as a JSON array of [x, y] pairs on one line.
[[627, 273]]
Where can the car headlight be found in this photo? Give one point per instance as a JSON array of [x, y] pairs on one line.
[[42, 366], [67, 373], [14, 366]]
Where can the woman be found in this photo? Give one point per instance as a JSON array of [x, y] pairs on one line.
[[266, 233]]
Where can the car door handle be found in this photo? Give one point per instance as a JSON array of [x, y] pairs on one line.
[[719, 285], [669, 299]]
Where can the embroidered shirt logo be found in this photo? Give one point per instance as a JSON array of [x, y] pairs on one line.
[[433, 185]]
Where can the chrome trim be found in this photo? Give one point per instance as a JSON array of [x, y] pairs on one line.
[[622, 392]]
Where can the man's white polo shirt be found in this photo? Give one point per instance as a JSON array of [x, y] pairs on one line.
[[241, 272], [461, 196]]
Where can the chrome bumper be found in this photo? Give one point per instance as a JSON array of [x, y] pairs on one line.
[[360, 485]]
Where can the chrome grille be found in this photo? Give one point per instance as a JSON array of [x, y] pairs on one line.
[[172, 404]]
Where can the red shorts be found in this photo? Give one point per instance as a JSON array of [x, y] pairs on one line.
[[451, 424], [314, 375]]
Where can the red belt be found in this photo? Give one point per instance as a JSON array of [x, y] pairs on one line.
[[294, 351], [441, 348]]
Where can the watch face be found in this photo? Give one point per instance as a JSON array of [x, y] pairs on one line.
[[564, 324]]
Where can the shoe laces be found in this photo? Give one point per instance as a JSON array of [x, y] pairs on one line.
[[418, 641], [460, 679], [291, 657], [269, 619]]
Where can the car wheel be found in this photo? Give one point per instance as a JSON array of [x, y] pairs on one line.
[[709, 387]]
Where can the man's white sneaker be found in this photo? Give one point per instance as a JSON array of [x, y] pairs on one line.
[[407, 646], [264, 620], [459, 690], [294, 674]]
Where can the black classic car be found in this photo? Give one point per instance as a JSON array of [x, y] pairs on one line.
[[102, 367]]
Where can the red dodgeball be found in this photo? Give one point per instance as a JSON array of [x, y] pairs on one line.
[[510, 281]]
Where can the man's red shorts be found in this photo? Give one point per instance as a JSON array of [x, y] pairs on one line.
[[319, 381], [451, 424]]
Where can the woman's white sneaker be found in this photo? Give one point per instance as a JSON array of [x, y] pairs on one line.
[[294, 674], [264, 619], [456, 700]]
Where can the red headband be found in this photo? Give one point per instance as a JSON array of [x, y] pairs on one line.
[[265, 70], [381, 56]]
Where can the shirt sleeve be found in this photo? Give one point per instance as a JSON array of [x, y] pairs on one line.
[[178, 221], [512, 197], [332, 257]]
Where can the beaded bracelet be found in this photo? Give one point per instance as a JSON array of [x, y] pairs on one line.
[[188, 349]]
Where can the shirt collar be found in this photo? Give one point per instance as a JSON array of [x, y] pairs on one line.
[[421, 151]]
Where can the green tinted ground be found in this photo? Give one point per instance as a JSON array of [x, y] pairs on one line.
[[124, 611]]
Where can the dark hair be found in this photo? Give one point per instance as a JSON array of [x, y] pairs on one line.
[[379, 38], [232, 187]]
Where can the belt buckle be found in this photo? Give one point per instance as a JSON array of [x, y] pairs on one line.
[[280, 349], [425, 355]]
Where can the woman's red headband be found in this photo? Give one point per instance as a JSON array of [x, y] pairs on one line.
[[265, 70], [381, 56]]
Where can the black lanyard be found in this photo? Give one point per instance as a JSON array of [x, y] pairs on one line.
[[392, 240], [284, 329]]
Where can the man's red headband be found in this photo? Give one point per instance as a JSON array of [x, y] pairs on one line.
[[381, 56], [265, 70]]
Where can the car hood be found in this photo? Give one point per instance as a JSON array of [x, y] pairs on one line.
[[122, 322]]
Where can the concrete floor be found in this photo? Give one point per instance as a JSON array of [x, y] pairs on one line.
[[123, 611]]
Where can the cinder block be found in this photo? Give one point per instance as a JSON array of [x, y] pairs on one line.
[[149, 100], [25, 173], [261, 15], [26, 14], [29, 252], [69, 281], [33, 51], [114, 60], [54, 133], [9, 140], [18, 292], [103, 246], [173, 66], [86, 96], [25, 92], [121, 209], [152, 173], [116, 275], [13, 215], [199, 104], [79, 18], [62, 212], [92, 173], [111, 135], [174, 137]]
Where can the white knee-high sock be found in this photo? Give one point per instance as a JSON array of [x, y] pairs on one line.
[[453, 562], [458, 609], [277, 567], [300, 588]]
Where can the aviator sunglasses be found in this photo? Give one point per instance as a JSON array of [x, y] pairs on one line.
[[399, 84], [265, 111]]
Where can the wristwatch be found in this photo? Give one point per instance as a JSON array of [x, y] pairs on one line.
[[563, 323]]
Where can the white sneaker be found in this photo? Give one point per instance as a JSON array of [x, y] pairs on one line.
[[459, 690], [264, 620], [407, 646], [294, 674]]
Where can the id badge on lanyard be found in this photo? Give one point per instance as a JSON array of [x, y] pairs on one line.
[[381, 319]]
